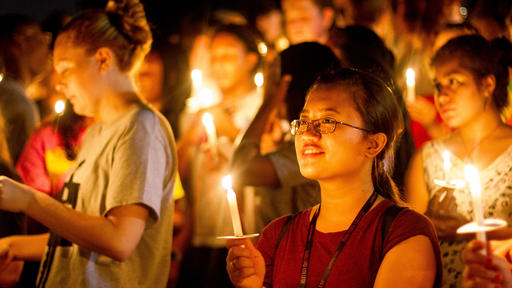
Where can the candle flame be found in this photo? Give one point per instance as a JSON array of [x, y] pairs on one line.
[[227, 182], [207, 120], [59, 106], [472, 177], [197, 78], [258, 79], [1, 77], [410, 77], [262, 48]]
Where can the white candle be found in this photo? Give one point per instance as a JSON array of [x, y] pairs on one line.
[[410, 80], [233, 206], [197, 78], [446, 163], [472, 177], [211, 133]]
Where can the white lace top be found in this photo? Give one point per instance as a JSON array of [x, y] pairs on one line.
[[496, 181]]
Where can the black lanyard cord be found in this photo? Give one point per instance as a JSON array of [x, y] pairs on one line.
[[309, 242]]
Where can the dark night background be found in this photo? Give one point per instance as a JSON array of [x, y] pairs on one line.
[[167, 16]]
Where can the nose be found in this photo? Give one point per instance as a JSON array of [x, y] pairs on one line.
[[442, 95], [312, 132]]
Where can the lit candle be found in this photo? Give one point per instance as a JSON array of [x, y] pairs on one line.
[[410, 80], [197, 78], [233, 206], [211, 133], [262, 48], [59, 106], [446, 164], [1, 77], [259, 80], [472, 177]]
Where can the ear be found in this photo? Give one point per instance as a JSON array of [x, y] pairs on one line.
[[376, 143], [488, 84], [104, 58], [328, 17]]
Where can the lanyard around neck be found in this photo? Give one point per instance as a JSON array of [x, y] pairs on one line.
[[309, 242]]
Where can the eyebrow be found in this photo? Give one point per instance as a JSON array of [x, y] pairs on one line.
[[330, 109]]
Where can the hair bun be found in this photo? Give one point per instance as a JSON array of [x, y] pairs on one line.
[[133, 22]]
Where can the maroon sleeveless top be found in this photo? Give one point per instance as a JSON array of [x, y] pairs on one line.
[[358, 263]]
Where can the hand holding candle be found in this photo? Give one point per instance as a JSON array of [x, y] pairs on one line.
[[233, 206]]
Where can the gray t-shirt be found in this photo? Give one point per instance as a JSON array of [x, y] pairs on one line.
[[132, 160], [20, 116]]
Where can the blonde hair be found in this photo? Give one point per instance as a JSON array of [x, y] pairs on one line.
[[121, 27]]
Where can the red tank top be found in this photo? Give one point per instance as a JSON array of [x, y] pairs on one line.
[[358, 263]]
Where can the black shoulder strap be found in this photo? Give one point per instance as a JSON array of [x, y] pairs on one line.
[[388, 218], [289, 220]]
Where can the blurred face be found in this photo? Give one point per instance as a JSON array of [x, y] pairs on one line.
[[303, 21], [36, 45], [458, 97], [149, 78], [78, 77], [339, 154], [230, 62]]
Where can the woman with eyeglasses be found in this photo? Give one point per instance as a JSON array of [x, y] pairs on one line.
[[357, 236]]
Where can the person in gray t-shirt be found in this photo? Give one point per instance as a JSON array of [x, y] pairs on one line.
[[113, 224]]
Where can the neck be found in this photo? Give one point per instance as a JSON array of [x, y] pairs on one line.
[[116, 100], [342, 199], [238, 90], [157, 104], [478, 130]]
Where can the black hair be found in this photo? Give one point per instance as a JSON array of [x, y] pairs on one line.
[[481, 58], [304, 62], [377, 106]]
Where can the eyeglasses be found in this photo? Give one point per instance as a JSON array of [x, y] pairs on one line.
[[322, 126]]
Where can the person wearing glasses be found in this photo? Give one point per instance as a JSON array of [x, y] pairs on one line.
[[344, 139]]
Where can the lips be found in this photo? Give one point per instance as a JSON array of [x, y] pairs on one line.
[[446, 111], [311, 150]]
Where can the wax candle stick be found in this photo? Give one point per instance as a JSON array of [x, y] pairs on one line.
[[211, 133], [233, 206], [472, 177], [410, 80], [446, 164], [197, 78]]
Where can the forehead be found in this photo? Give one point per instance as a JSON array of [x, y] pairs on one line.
[[334, 98], [449, 67], [225, 40], [64, 51], [299, 5]]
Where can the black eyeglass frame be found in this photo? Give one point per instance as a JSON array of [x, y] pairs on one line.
[[294, 131]]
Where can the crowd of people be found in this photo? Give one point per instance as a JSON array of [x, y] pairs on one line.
[[341, 163]]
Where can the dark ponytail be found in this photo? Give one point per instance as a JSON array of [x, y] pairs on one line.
[[379, 109]]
